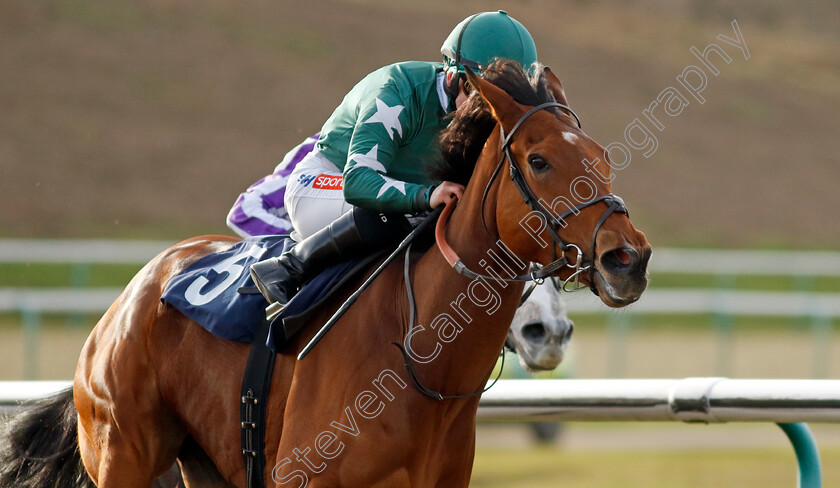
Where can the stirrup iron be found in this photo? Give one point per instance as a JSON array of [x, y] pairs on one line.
[[273, 310]]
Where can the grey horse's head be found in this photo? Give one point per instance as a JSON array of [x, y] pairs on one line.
[[541, 331]]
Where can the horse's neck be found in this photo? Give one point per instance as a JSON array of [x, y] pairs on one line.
[[472, 315]]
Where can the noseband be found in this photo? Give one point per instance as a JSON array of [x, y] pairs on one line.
[[554, 223]]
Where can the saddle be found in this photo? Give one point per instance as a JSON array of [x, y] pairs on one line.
[[218, 293]]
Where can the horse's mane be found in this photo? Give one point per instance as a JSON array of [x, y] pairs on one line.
[[463, 139]]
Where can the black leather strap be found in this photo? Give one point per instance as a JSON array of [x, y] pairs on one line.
[[553, 223], [255, 388], [435, 395]]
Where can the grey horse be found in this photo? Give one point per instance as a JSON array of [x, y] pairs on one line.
[[541, 331]]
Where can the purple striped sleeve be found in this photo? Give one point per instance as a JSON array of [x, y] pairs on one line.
[[260, 211]]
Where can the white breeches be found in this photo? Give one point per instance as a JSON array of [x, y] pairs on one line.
[[314, 195]]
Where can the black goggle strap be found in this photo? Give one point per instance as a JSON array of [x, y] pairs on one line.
[[452, 86], [458, 61]]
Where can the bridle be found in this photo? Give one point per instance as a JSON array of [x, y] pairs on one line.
[[614, 204], [554, 222]]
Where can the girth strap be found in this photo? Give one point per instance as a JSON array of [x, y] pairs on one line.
[[254, 399]]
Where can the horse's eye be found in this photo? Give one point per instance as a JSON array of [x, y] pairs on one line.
[[538, 164]]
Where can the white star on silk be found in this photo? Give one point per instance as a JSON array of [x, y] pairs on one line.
[[391, 183], [371, 161], [389, 117]]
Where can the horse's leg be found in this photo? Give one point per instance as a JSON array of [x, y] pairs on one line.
[[198, 469], [126, 468], [139, 381], [127, 435], [127, 448], [170, 479]]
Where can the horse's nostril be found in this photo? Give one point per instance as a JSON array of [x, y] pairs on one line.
[[570, 331], [622, 256], [619, 261], [534, 332]]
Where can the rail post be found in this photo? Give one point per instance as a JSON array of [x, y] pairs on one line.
[[807, 454]]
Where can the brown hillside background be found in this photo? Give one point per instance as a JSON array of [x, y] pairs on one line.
[[146, 118]]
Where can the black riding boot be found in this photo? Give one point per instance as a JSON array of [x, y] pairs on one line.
[[279, 279]]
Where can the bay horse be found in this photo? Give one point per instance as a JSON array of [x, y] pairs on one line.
[[389, 397]]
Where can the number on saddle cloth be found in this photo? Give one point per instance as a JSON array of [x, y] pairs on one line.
[[208, 291]]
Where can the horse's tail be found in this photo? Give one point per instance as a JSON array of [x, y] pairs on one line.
[[39, 447]]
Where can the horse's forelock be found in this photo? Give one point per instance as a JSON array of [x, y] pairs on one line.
[[463, 139]]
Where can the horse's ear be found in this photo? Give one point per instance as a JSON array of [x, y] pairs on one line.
[[554, 85], [503, 107]]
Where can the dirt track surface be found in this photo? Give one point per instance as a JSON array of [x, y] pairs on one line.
[[146, 119]]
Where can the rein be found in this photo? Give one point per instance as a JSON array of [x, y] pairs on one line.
[[572, 283], [538, 275], [436, 395]]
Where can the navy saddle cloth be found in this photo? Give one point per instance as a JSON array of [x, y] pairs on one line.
[[208, 291]]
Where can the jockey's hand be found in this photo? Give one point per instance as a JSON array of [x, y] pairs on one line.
[[444, 192]]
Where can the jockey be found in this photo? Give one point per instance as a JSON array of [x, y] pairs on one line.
[[367, 171]]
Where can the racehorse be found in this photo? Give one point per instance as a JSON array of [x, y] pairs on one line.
[[389, 397], [541, 331]]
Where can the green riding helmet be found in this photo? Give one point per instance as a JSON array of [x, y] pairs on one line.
[[480, 38]]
